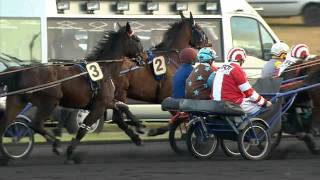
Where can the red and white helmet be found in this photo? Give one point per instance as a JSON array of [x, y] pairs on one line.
[[300, 51], [237, 55]]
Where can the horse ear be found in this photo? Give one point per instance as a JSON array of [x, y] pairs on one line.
[[192, 21], [128, 29], [182, 16]]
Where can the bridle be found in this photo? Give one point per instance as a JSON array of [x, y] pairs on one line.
[[197, 34]]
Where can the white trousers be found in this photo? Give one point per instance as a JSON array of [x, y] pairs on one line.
[[249, 107]]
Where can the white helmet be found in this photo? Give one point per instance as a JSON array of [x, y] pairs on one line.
[[279, 49], [300, 51], [237, 55]]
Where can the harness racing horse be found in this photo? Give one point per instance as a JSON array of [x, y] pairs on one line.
[[75, 93], [142, 84], [303, 127]]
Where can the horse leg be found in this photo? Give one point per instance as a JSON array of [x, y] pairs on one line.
[[13, 106], [163, 129], [123, 108], [300, 132], [96, 112], [118, 118], [43, 112]]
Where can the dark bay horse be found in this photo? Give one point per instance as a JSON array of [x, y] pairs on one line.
[[75, 93], [304, 128], [142, 84]]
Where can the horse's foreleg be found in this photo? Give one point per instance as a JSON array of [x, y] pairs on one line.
[[118, 118], [96, 112], [134, 121]]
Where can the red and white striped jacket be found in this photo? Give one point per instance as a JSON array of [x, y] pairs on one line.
[[231, 84]]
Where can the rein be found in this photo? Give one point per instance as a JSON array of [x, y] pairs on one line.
[[60, 62], [42, 86], [303, 65]]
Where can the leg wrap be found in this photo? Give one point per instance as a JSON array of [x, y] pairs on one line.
[[82, 131]]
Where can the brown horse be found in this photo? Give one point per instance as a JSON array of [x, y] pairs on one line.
[[141, 84], [305, 130], [75, 93]]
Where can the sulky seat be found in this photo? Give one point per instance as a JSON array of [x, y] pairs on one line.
[[171, 104], [211, 107]]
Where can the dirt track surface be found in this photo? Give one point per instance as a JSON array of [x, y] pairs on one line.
[[156, 161]]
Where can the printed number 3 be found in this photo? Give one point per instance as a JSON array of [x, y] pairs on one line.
[[94, 70]]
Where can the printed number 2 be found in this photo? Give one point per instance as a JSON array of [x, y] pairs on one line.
[[158, 63]]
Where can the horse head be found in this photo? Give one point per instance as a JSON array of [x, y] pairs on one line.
[[182, 34], [197, 37]]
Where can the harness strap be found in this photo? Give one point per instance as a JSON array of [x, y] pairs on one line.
[[94, 86]]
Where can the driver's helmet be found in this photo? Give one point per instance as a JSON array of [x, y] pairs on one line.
[[188, 55], [279, 50], [237, 55], [300, 52], [206, 55]]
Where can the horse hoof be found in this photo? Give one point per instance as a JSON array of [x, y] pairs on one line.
[[76, 158], [311, 144], [57, 151], [137, 140]]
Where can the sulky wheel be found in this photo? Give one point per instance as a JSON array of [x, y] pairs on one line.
[[177, 136], [254, 141], [17, 140], [230, 148], [201, 146]]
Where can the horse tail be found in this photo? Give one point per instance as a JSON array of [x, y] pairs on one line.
[[10, 79]]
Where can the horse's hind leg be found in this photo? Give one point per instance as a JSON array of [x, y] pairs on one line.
[[13, 106], [42, 114], [118, 118], [134, 120]]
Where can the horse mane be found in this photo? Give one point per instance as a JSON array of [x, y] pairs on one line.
[[105, 46], [170, 35]]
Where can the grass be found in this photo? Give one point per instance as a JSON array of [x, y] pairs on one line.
[[110, 133], [293, 31]]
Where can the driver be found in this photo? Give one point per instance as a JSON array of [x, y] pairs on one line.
[[300, 52], [187, 57], [196, 84], [230, 83], [279, 52]]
